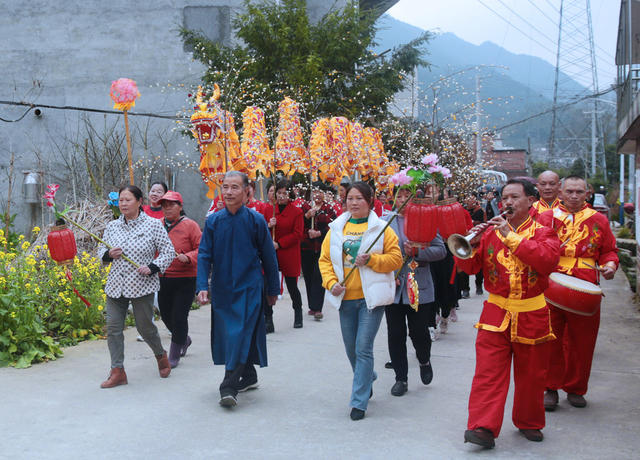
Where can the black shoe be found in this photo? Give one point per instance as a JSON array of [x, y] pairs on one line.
[[399, 388], [388, 365], [479, 291], [250, 383], [227, 399], [576, 400], [465, 294], [297, 318], [481, 437], [426, 373], [532, 435], [356, 414], [268, 324], [550, 400]]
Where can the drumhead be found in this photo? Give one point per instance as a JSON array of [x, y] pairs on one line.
[[575, 283]]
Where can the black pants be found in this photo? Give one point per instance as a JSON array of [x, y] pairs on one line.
[[464, 281], [294, 292], [175, 299], [312, 279], [398, 317], [231, 381]]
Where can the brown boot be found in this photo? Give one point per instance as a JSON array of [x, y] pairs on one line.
[[117, 376], [163, 365]]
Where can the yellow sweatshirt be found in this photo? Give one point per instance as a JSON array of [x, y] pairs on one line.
[[388, 261]]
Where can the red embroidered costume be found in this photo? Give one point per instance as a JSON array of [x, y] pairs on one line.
[[541, 206], [514, 322], [586, 238]]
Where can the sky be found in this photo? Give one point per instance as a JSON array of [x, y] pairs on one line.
[[522, 27]]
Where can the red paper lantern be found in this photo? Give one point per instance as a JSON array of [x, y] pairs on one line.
[[453, 218], [62, 245], [420, 221]]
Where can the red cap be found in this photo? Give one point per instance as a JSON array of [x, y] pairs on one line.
[[171, 196]]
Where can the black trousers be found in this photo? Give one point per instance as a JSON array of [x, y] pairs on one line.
[[231, 381], [399, 316], [294, 292], [312, 279], [464, 280], [175, 299]]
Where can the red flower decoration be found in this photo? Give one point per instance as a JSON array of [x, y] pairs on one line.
[[51, 194]]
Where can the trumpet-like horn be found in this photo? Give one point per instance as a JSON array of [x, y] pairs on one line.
[[460, 245]]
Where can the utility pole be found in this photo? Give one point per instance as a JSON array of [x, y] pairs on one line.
[[575, 54], [555, 91], [478, 133]]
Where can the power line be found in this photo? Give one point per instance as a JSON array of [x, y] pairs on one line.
[[552, 6], [84, 109], [17, 119], [559, 106], [526, 22], [555, 24], [517, 28]]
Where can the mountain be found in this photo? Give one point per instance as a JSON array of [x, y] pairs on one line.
[[511, 86]]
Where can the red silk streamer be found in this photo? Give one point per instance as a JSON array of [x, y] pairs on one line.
[[86, 302], [452, 280]]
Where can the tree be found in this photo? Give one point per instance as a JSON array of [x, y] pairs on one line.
[[328, 67]]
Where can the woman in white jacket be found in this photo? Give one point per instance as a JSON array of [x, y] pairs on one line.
[[371, 286]]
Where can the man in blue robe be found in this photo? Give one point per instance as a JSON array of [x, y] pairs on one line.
[[237, 250]]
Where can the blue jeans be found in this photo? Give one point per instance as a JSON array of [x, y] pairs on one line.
[[359, 328]]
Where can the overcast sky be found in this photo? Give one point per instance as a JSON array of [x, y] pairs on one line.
[[535, 32]]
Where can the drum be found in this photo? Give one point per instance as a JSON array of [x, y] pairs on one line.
[[573, 294]]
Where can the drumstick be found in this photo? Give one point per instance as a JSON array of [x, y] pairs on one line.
[[597, 267], [564, 242]]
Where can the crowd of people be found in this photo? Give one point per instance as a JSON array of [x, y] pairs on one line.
[[351, 248]]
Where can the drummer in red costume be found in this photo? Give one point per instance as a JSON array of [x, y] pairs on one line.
[[548, 185], [588, 250], [516, 257]]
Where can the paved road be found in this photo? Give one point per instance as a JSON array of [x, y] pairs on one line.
[[57, 410]]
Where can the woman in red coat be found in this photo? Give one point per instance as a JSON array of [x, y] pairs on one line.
[[289, 227]]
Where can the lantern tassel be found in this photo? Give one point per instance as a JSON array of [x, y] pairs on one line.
[[75, 291]]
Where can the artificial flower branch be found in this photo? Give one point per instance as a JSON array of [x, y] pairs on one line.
[[50, 197], [410, 179]]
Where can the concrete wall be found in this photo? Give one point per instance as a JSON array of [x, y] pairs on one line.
[[67, 53]]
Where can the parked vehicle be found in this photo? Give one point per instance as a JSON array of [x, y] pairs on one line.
[[600, 204]]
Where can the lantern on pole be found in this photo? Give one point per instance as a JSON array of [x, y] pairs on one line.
[[124, 93], [453, 218], [62, 244], [420, 221]]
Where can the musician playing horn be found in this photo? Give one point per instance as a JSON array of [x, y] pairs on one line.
[[548, 185], [516, 256], [588, 250]]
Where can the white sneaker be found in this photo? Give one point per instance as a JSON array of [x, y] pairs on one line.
[[139, 338], [444, 325], [434, 333], [453, 316]]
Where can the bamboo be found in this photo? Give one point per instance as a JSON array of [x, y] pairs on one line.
[[7, 216], [100, 240], [379, 235], [129, 155]]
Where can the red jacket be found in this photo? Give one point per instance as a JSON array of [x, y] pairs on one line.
[[185, 236], [516, 272], [321, 222], [288, 234], [586, 237], [155, 213]]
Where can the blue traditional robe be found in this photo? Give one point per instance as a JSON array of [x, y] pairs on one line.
[[235, 249]]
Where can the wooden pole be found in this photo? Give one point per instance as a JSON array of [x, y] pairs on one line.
[[7, 216], [129, 155]]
